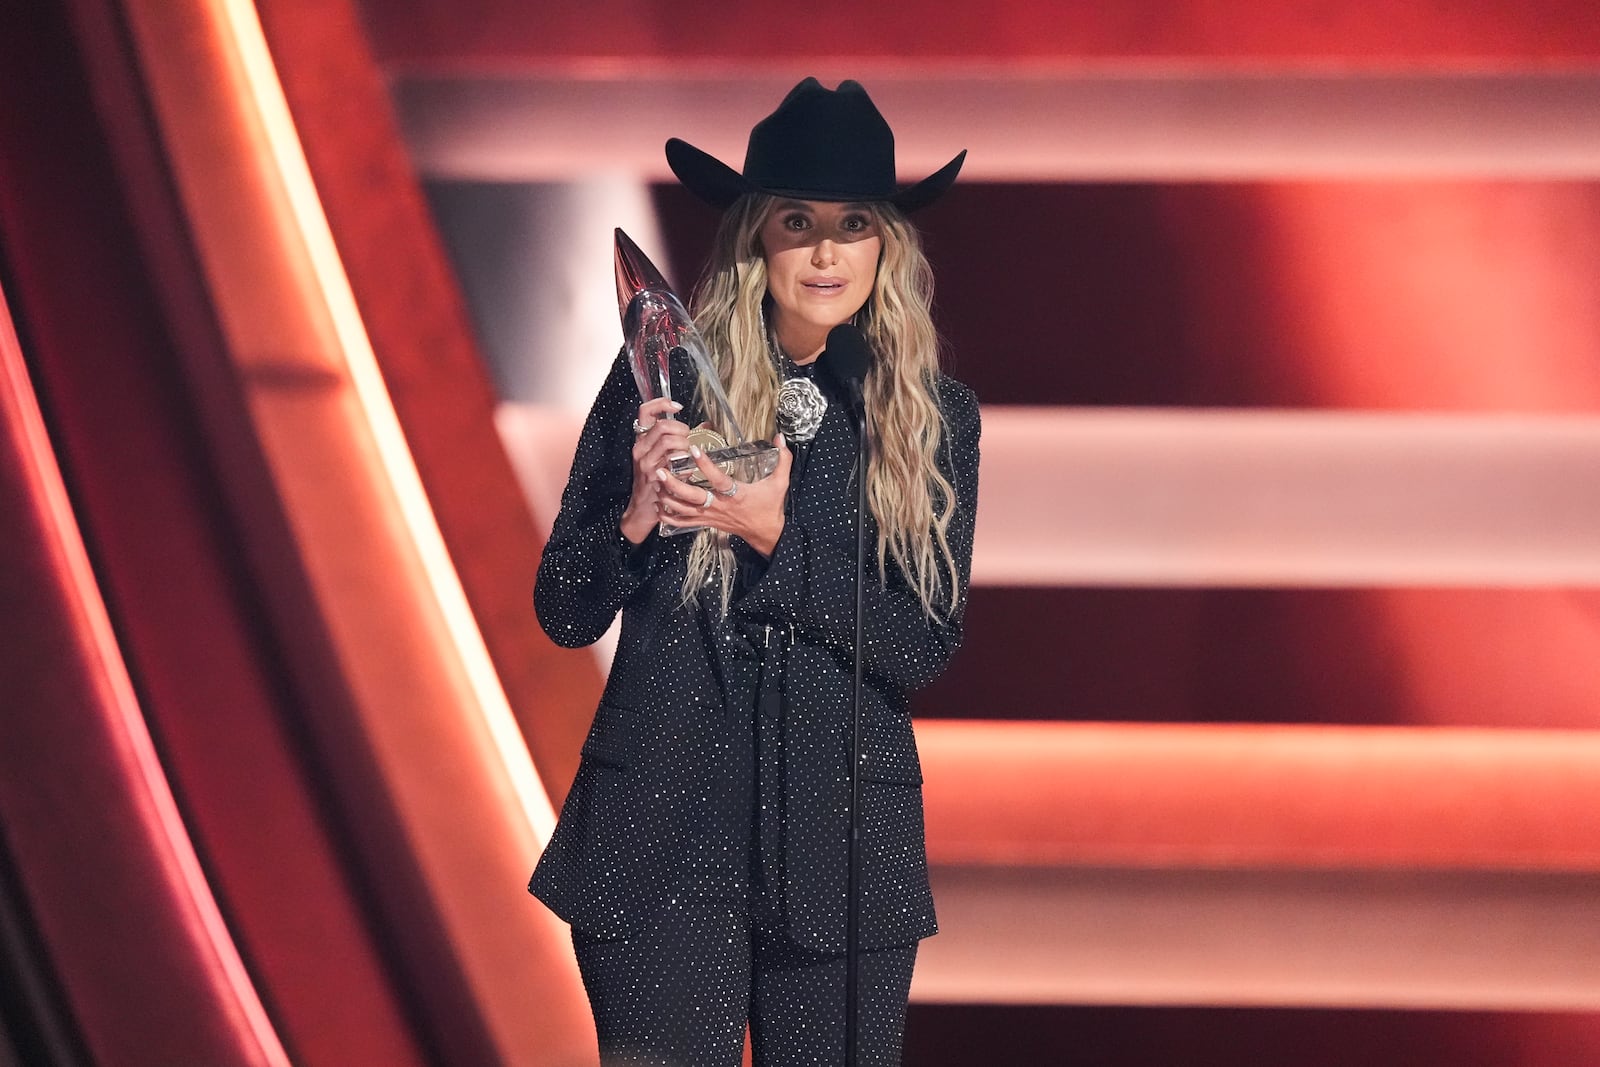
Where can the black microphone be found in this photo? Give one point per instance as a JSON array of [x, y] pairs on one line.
[[846, 360]]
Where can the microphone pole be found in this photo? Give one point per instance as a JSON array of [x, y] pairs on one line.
[[847, 359]]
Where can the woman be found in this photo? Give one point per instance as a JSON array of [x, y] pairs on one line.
[[701, 853]]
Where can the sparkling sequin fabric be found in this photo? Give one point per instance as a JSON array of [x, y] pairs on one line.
[[717, 765], [681, 991]]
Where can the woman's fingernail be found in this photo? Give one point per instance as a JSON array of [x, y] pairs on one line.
[[661, 474], [694, 450], [676, 406], [778, 440]]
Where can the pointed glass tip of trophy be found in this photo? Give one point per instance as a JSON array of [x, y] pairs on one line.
[[635, 273]]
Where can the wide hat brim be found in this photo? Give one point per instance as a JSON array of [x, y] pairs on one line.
[[820, 144], [719, 185]]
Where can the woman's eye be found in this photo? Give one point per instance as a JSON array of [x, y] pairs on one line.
[[796, 222]]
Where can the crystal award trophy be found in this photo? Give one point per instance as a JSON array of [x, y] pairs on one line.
[[669, 356]]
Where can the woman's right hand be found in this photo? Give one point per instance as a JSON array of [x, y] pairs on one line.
[[662, 437]]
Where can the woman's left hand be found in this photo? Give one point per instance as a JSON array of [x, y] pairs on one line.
[[750, 510]]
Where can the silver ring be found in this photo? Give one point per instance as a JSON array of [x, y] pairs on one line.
[[639, 427], [732, 490], [710, 497]]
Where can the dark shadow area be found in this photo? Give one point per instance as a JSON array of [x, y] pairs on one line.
[[1186, 655], [36, 1024], [1242, 1037]]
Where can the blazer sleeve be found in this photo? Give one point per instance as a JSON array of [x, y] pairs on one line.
[[807, 583], [589, 570]]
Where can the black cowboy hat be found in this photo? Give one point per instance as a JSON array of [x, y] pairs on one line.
[[820, 144]]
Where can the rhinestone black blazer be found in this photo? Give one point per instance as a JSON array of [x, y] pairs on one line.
[[640, 824]]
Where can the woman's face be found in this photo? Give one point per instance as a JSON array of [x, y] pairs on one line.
[[822, 260]]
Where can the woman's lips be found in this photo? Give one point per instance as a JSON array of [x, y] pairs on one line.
[[824, 285]]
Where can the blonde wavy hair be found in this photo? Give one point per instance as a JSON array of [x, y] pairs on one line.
[[907, 494]]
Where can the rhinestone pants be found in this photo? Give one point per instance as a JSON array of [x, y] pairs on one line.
[[680, 992]]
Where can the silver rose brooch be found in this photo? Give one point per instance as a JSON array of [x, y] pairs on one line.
[[800, 408]]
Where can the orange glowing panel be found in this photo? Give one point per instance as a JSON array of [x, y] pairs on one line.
[[1239, 796], [1521, 660], [1448, 296]]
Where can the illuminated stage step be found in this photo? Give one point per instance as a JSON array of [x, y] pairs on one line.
[[1467, 940], [1224, 497], [1029, 125], [1351, 867], [1205, 796]]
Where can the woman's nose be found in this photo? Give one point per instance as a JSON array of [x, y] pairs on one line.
[[824, 253]]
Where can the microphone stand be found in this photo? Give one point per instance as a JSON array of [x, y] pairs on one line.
[[852, 925]]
